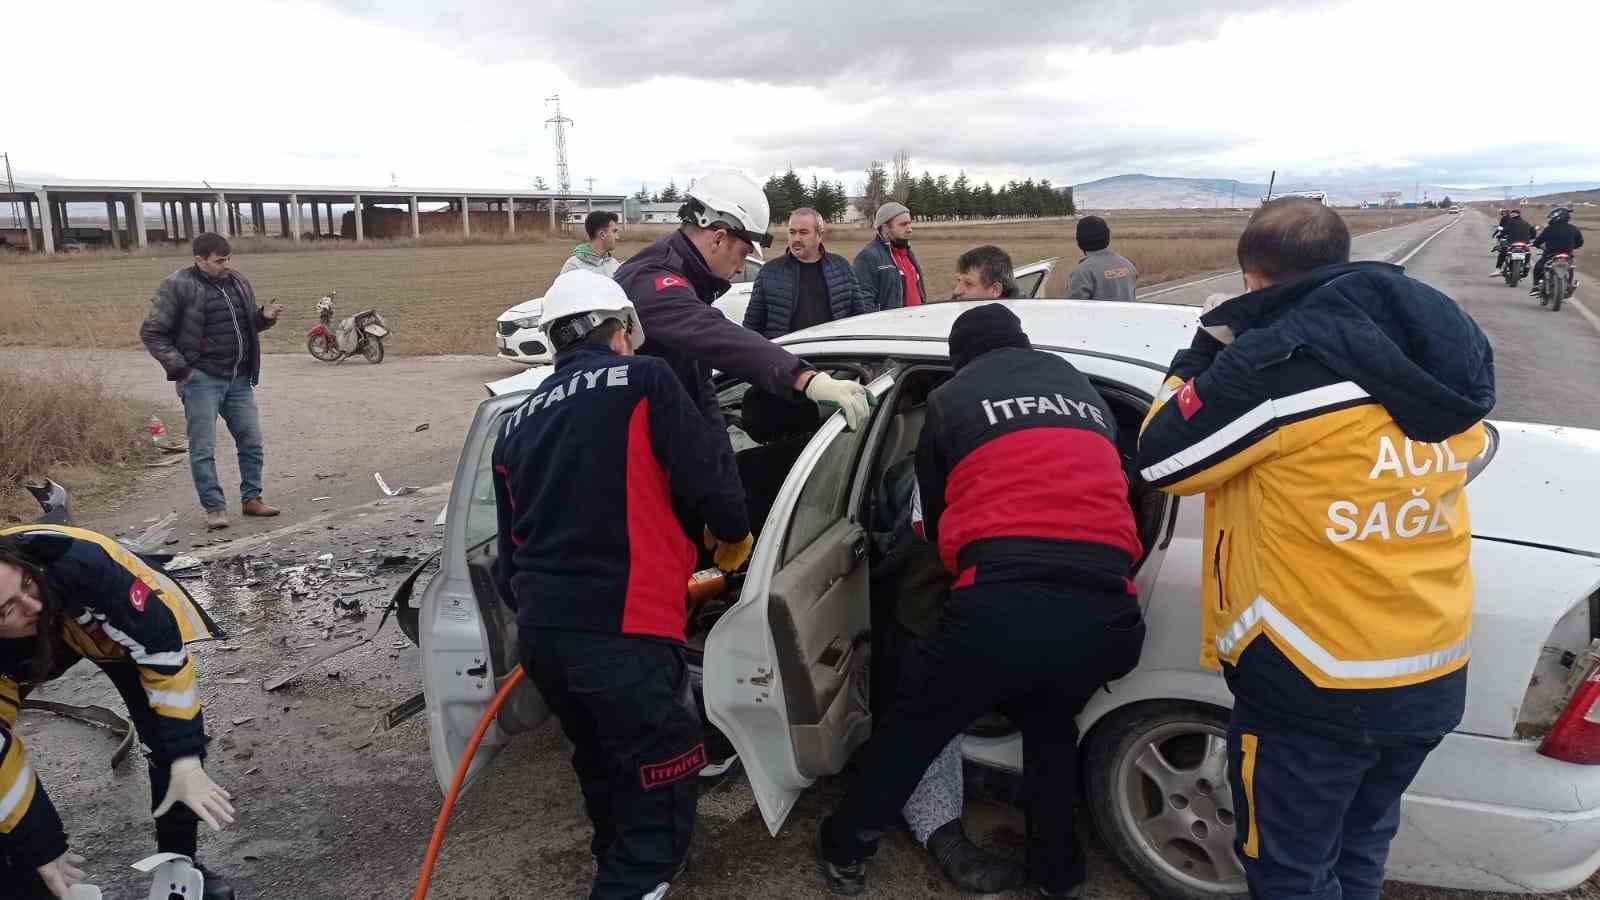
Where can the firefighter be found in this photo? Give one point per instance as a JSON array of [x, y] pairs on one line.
[[674, 281], [1022, 490], [68, 594], [590, 473], [1329, 416]]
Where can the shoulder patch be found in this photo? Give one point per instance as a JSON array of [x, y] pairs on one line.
[[138, 592], [663, 282], [1189, 401]]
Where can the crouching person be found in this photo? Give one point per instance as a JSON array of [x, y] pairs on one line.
[[67, 594], [588, 475], [1023, 492]]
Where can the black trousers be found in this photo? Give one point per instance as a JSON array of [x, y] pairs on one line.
[[626, 705], [1035, 651], [176, 830]]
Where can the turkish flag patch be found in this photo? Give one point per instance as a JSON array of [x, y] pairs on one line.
[[654, 775], [664, 282], [1189, 401], [138, 592]]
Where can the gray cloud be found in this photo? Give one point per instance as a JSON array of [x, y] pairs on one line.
[[615, 42]]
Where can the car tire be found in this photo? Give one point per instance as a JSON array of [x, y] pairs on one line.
[[1156, 779]]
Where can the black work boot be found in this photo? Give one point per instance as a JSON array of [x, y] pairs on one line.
[[971, 867], [848, 879], [217, 887]]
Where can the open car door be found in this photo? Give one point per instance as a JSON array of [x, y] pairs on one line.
[[1031, 278], [468, 633], [786, 668]]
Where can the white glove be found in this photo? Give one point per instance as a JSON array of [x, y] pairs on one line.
[[190, 785], [836, 393], [1221, 332], [61, 873]]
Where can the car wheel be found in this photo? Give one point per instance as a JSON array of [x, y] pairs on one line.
[[1157, 780]]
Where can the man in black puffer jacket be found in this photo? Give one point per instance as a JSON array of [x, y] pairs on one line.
[[804, 287], [204, 328]]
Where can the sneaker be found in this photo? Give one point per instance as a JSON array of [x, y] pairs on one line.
[[720, 755], [217, 887], [1495, 274], [846, 880], [216, 518], [971, 867], [255, 507]]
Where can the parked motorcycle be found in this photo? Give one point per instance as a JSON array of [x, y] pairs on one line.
[[1516, 267], [1560, 280], [361, 333]]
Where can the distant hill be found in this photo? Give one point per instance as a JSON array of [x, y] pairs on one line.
[[1157, 192]]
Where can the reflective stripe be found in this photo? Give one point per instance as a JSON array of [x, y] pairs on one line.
[[1247, 774], [19, 791], [1262, 611], [172, 699], [1266, 412], [142, 656]]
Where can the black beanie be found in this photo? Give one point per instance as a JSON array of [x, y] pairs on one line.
[[1093, 234], [984, 328]]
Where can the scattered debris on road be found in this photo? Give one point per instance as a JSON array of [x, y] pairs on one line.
[[393, 492]]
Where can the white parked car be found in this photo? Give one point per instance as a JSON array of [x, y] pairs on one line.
[[784, 667], [519, 340]]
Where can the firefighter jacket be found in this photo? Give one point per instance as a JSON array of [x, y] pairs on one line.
[[596, 476], [1332, 439], [672, 290], [120, 611], [1019, 479]]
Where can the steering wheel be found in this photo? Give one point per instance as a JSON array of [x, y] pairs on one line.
[[856, 370]]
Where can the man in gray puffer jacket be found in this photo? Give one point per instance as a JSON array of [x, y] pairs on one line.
[[204, 328]]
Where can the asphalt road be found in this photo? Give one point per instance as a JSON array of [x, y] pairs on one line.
[[331, 808]]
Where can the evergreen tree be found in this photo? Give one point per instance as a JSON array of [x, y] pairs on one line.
[[643, 196], [961, 197], [932, 202], [670, 194], [777, 199], [794, 193]]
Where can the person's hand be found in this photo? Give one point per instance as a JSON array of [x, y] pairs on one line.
[[729, 555], [272, 311], [61, 873], [836, 393], [190, 785], [1221, 332]]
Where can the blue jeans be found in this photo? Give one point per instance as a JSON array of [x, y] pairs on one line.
[[1316, 814], [204, 398]]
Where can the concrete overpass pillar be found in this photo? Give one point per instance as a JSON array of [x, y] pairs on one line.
[[357, 212], [217, 213], [511, 215], [47, 229], [416, 220], [283, 220], [136, 206], [316, 219], [294, 216], [552, 217], [466, 222], [111, 224], [27, 212], [188, 220]]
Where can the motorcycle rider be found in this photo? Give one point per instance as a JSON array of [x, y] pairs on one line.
[[1559, 236], [1513, 229], [673, 282]]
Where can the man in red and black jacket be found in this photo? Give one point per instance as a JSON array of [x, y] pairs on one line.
[[595, 475], [1023, 491]]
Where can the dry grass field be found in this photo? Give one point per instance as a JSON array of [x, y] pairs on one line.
[[442, 297]]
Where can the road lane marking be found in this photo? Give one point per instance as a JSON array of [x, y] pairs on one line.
[[1187, 284], [1407, 258], [1594, 322]]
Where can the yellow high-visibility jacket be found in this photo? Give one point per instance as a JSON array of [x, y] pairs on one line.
[[120, 611], [1328, 530]]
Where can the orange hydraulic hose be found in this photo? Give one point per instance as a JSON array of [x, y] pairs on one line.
[[439, 825]]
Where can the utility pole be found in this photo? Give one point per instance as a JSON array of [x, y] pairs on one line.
[[563, 175], [590, 179], [11, 186]]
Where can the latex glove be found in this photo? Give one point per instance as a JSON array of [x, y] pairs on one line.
[[729, 555], [836, 393], [61, 873], [190, 785], [1221, 332]]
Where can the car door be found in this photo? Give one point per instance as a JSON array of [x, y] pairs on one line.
[[468, 634], [1031, 278], [786, 667]]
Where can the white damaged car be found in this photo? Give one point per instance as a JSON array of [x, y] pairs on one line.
[[1509, 802]]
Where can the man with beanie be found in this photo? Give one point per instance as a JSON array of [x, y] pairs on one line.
[[1022, 490], [1336, 587], [1101, 274], [886, 270]]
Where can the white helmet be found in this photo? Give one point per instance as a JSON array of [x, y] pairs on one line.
[[732, 201], [578, 302]]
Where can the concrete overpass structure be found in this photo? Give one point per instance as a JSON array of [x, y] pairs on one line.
[[187, 209]]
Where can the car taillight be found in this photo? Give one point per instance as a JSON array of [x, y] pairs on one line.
[[1576, 735]]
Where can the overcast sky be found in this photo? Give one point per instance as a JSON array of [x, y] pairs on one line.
[[359, 91]]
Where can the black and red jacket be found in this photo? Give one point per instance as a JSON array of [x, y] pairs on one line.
[[1019, 475], [596, 476]]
